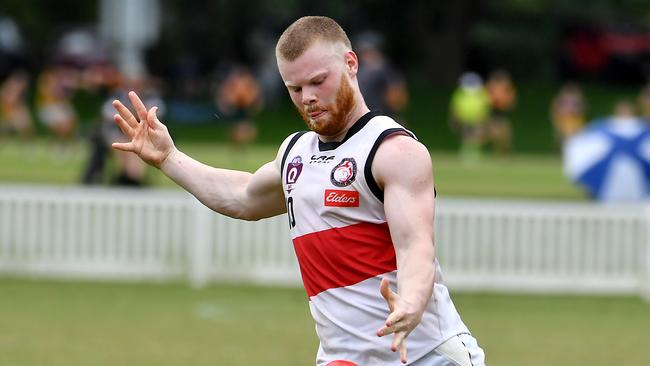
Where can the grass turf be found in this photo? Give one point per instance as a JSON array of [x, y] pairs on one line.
[[515, 176], [80, 323]]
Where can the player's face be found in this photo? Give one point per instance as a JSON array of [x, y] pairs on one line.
[[320, 88]]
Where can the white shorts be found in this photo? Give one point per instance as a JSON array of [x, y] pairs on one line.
[[459, 350]]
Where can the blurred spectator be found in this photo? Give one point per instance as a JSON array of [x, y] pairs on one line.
[[470, 109], [568, 112], [503, 96], [15, 116], [260, 46], [644, 102], [100, 78], [382, 86], [238, 99], [129, 169], [53, 101]]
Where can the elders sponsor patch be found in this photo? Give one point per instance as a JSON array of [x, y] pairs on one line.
[[341, 198]]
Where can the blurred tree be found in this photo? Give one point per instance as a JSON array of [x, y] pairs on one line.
[[41, 22], [528, 37], [442, 38], [440, 29]]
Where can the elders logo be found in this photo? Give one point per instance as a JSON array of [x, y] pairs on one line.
[[341, 198]]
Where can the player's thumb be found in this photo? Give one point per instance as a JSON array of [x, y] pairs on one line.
[[384, 289], [152, 118]]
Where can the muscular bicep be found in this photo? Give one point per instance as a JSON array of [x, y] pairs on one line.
[[402, 168]]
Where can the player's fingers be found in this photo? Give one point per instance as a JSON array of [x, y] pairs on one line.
[[385, 330], [140, 109], [398, 340], [391, 326], [402, 352], [124, 146], [125, 113], [394, 318], [123, 125]]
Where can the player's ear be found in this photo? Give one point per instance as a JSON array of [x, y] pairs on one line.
[[351, 63]]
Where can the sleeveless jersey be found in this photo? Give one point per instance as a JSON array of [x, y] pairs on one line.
[[343, 245]]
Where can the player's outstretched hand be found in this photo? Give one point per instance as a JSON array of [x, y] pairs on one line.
[[150, 139], [401, 320]]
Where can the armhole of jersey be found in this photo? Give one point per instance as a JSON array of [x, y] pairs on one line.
[[367, 170], [292, 142]]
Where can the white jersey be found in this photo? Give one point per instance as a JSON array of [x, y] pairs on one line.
[[342, 241]]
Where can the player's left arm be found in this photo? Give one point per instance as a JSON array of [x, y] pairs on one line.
[[402, 167]]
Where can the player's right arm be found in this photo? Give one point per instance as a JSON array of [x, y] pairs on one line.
[[249, 196]]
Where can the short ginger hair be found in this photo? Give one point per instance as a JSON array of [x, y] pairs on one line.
[[304, 32]]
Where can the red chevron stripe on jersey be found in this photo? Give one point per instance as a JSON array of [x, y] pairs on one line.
[[340, 257]]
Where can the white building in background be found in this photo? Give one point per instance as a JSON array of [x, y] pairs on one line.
[[11, 40], [128, 27]]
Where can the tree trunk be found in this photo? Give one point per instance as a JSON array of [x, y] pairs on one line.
[[441, 35]]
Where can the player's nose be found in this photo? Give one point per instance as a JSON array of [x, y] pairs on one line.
[[309, 96]]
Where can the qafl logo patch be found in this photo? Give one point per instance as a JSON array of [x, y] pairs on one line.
[[344, 173], [294, 168]]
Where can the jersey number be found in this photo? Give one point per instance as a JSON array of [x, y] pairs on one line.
[[290, 213]]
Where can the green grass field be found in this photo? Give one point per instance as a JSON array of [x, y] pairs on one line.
[[79, 324], [516, 176]]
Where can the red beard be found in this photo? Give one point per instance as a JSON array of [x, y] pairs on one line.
[[335, 120]]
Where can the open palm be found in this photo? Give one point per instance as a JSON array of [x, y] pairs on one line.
[[150, 139]]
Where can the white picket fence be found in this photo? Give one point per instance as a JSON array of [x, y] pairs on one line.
[[161, 235]]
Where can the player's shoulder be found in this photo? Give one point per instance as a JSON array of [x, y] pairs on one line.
[[387, 128], [386, 125], [384, 120], [400, 158], [399, 143]]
